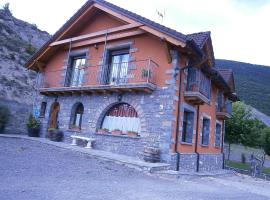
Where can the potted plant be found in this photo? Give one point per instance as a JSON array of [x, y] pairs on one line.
[[146, 73], [116, 132], [33, 126], [133, 133], [103, 131], [55, 135]]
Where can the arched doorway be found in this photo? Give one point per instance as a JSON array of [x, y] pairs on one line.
[[53, 122], [122, 117]]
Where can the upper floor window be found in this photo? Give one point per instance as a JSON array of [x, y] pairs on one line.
[[75, 71], [188, 121], [218, 135], [116, 70], [205, 131]]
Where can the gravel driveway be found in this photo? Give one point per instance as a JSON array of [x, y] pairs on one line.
[[33, 171]]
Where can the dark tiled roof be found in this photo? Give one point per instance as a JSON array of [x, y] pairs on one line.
[[173, 33], [197, 38], [226, 74]]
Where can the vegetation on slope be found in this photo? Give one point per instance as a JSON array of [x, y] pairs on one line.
[[252, 83]]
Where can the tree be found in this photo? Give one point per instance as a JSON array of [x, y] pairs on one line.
[[242, 128], [266, 140]]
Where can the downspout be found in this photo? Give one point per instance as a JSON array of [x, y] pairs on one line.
[[176, 139], [222, 145], [177, 121], [197, 139]]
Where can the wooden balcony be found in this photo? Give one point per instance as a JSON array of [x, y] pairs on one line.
[[198, 89], [224, 111], [137, 76]]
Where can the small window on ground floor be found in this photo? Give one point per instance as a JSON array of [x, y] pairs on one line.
[[187, 133], [43, 109], [205, 131], [218, 135], [122, 117]]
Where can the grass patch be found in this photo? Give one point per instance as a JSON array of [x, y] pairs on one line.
[[238, 165], [266, 171], [244, 166]]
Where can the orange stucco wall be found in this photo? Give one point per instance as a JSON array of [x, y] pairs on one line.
[[99, 22]]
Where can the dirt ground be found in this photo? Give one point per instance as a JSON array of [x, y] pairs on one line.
[[33, 171]]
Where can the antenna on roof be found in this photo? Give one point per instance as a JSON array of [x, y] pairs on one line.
[[161, 15]]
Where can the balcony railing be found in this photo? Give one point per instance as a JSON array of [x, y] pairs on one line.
[[224, 110], [135, 74], [198, 88]]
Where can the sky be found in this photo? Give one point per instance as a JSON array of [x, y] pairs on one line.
[[240, 29]]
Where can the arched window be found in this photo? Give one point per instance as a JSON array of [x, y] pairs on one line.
[[122, 117], [76, 116]]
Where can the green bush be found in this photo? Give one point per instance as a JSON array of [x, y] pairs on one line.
[[266, 140], [4, 117], [33, 123]]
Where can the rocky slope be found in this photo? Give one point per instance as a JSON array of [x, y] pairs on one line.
[[18, 41]]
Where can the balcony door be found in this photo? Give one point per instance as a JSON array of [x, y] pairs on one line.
[[119, 66], [75, 72]]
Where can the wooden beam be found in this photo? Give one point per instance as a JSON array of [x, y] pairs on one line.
[[109, 38], [115, 14], [96, 34], [167, 50], [162, 35]]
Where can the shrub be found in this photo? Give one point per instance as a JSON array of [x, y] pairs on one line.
[[4, 117], [33, 123], [266, 140]]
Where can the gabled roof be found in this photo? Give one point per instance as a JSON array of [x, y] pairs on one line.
[[196, 40], [200, 38]]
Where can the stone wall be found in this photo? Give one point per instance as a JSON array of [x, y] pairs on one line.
[[155, 111], [207, 162], [19, 117]]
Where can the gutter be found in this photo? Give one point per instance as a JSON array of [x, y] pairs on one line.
[[178, 116]]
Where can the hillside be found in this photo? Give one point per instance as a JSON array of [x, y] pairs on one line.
[[18, 41], [252, 83]]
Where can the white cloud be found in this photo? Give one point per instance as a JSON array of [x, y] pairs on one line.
[[239, 28]]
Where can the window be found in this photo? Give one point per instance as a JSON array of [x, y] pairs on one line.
[[187, 133], [122, 117], [43, 109], [116, 69], [76, 116], [218, 135], [205, 131], [75, 72]]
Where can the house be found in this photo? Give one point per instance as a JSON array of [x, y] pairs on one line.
[[131, 83]]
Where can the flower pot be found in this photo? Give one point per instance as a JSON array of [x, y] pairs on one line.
[[102, 131], [151, 154], [132, 134], [116, 132], [55, 135], [33, 132]]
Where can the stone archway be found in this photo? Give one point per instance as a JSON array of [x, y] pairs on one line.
[[53, 121], [123, 117], [101, 112]]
